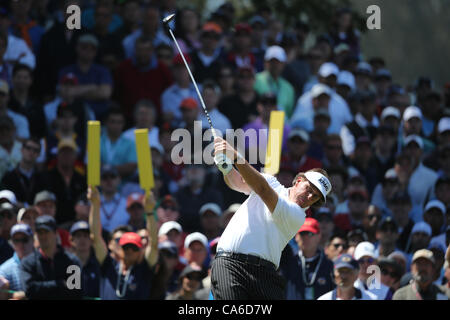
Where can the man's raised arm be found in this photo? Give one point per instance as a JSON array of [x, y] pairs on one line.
[[95, 225], [251, 177]]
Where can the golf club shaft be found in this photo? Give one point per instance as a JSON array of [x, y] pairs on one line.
[[194, 82]]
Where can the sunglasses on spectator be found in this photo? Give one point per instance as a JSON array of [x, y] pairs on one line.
[[366, 260], [226, 75], [108, 176], [167, 207], [21, 240], [388, 229], [307, 233], [6, 214], [357, 198], [337, 245], [117, 239], [194, 276], [130, 246], [386, 272], [169, 254], [334, 147], [30, 148]]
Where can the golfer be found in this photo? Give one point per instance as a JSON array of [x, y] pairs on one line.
[[249, 250]]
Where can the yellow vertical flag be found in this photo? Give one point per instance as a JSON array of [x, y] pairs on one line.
[[144, 157], [274, 142], [93, 150]]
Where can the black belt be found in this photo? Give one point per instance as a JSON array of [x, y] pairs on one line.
[[247, 258]]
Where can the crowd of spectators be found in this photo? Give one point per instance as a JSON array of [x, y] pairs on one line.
[[385, 146]]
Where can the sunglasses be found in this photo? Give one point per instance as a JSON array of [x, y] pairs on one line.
[[334, 147], [194, 276], [130, 246], [386, 272], [108, 176], [117, 240], [337, 245], [169, 207], [307, 233], [30, 148], [20, 240], [388, 230], [366, 260]]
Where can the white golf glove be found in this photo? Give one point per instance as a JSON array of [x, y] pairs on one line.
[[223, 163]]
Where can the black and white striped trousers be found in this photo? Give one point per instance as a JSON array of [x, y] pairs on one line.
[[232, 279]]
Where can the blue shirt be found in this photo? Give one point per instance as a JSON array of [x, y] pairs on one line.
[[122, 151], [138, 285], [171, 100], [11, 271], [97, 75], [113, 213]]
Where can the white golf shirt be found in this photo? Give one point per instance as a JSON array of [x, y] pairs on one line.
[[255, 230]]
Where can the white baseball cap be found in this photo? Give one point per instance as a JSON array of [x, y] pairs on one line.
[[195, 236], [327, 69], [275, 52], [320, 181], [391, 174], [319, 89], [346, 78], [299, 133], [412, 112], [421, 227], [8, 195], [390, 112], [415, 138], [435, 204], [364, 67], [211, 207], [169, 225], [364, 248], [444, 125]]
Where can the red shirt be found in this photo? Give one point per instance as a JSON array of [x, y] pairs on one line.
[[132, 84]]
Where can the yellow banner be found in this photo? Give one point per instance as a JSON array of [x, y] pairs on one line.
[[144, 157], [274, 142], [93, 156]]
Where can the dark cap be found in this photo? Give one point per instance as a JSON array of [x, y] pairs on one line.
[[21, 228], [191, 269], [44, 195], [80, 225], [269, 98], [387, 221], [346, 261], [168, 246], [45, 222], [109, 169]]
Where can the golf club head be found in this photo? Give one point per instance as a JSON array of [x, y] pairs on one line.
[[169, 18]]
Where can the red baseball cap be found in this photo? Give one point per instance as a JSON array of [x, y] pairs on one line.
[[178, 59], [189, 103], [242, 28], [212, 27], [311, 225], [69, 78], [130, 238]]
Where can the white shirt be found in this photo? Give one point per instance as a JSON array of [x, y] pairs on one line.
[[364, 296], [254, 230], [18, 48], [421, 187], [9, 160], [378, 293], [304, 113]]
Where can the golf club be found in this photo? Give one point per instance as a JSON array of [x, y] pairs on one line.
[[223, 160]]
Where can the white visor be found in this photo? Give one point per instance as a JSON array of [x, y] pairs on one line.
[[320, 182]]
